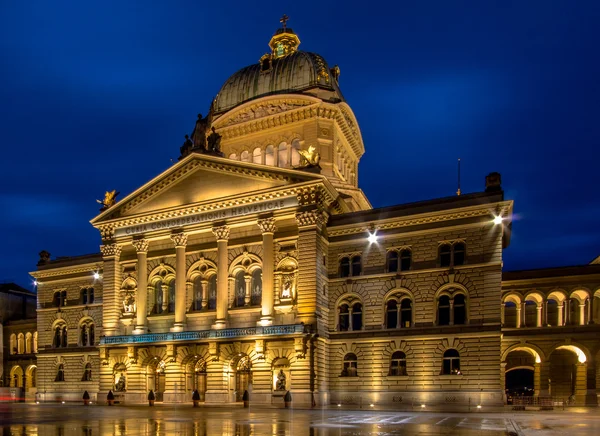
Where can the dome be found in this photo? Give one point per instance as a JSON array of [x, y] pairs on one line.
[[283, 71]]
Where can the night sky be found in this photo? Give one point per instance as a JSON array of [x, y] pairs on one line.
[[97, 96]]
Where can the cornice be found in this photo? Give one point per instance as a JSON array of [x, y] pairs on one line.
[[419, 219], [583, 278], [67, 270]]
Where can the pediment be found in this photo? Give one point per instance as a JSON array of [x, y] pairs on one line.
[[200, 179]]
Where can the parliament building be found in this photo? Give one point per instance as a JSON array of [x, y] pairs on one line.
[[256, 263]]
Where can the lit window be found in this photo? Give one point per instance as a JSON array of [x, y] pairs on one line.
[[451, 363], [350, 368], [398, 363]]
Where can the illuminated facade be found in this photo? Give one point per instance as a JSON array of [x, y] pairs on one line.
[[256, 263]]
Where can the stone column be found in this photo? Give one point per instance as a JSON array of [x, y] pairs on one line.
[[591, 310], [248, 290], [222, 235], [560, 309], [502, 308], [538, 320], [518, 310], [544, 386], [204, 284], [580, 383], [536, 378], [268, 228], [141, 295], [582, 313], [591, 397], [111, 287], [180, 241]]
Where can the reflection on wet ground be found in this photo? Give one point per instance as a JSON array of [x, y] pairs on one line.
[[67, 420]]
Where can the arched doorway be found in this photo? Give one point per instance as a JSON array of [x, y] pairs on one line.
[[567, 372], [243, 377], [16, 377], [519, 374], [31, 378], [196, 377], [155, 379]]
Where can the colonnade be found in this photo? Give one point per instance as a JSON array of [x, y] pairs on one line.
[[563, 313]]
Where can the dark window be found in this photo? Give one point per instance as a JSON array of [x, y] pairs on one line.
[[398, 364], [357, 316], [197, 304], [445, 255], [392, 314], [240, 289], [56, 299], [460, 309], [256, 288], [90, 295], [84, 296], [344, 318], [87, 372], [392, 261], [444, 310], [91, 334], [63, 298], [350, 365], [344, 267], [405, 313], [57, 337], [266, 64], [172, 296], [356, 266], [212, 292], [451, 362], [60, 373], [64, 337], [84, 335], [158, 297], [405, 259], [459, 254], [551, 314]]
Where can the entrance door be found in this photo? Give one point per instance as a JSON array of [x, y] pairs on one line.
[[200, 384], [242, 380], [159, 387]]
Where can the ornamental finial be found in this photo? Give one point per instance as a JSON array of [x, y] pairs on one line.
[[283, 20]]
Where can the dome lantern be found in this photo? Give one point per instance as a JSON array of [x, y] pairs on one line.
[[284, 41]]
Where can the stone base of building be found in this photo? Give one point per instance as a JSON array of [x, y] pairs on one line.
[[419, 400]]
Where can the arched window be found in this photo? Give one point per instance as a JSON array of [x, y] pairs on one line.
[[87, 372], [64, 341], [257, 155], [90, 295], [13, 344], [460, 309], [172, 296], [398, 364], [392, 261], [356, 266], [60, 373], [87, 334], [283, 157], [444, 310], [405, 313], [344, 318], [295, 152], [57, 336], [344, 267], [233, 156], [197, 303], [35, 342], [551, 312], [83, 298], [357, 316], [405, 259], [212, 292], [56, 299], [445, 255], [269, 155], [391, 314], [451, 362], [350, 368], [84, 335], [158, 296], [256, 288], [245, 156], [459, 253], [21, 343], [510, 314], [240, 288]]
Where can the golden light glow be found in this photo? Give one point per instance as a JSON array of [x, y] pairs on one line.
[[497, 220]]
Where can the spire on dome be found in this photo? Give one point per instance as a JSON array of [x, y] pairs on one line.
[[284, 41]]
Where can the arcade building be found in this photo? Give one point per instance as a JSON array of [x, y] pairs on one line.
[[256, 263]]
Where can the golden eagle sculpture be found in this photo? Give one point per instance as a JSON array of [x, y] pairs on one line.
[[310, 157], [110, 198]]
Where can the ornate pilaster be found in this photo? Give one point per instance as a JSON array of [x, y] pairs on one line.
[[141, 247], [180, 241], [111, 279], [222, 235], [267, 227]]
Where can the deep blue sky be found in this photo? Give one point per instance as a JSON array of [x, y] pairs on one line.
[[97, 96]]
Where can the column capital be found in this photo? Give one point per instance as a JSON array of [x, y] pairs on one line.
[[111, 250], [141, 245], [221, 232], [179, 239], [311, 218], [267, 225]]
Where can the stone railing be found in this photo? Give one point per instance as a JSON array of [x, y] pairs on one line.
[[203, 334]]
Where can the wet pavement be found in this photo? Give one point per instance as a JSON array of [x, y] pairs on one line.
[[75, 419]]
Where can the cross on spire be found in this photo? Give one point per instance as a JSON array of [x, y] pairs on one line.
[[283, 20]]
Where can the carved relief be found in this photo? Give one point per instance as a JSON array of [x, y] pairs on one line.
[[311, 218], [263, 110], [221, 233], [111, 250], [267, 225], [179, 239], [141, 245]]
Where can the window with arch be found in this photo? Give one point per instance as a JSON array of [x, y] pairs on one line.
[[197, 301], [398, 364], [245, 157], [398, 312], [233, 156], [452, 309], [60, 373], [28, 343], [350, 315], [344, 318], [257, 156], [87, 334], [451, 362], [21, 343], [86, 296], [350, 266], [171, 305], [270, 155], [283, 155], [87, 372], [350, 368], [399, 260], [212, 292], [240, 288], [13, 344], [60, 336], [357, 316], [295, 152], [392, 261], [35, 342], [59, 299], [256, 288], [452, 254], [158, 297]]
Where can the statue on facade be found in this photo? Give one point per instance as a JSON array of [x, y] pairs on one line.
[[187, 146], [310, 157], [286, 292], [129, 303], [120, 384], [110, 199], [280, 384], [44, 257], [214, 141], [199, 134]]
